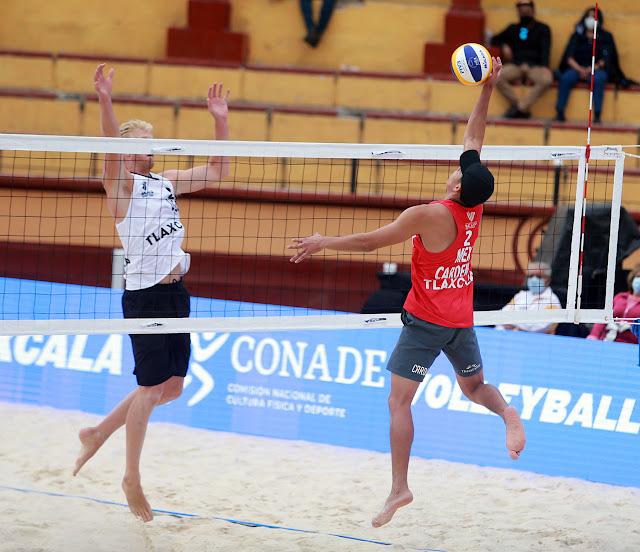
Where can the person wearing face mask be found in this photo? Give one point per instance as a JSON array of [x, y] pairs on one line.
[[537, 296], [625, 305], [525, 49], [576, 63]]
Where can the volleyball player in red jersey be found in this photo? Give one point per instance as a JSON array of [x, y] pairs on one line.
[[438, 313]]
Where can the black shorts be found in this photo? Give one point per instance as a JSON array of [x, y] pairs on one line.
[[421, 342], [159, 356]]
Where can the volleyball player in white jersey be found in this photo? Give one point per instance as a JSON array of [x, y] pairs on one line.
[[147, 218]]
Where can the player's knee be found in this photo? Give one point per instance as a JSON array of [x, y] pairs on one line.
[[173, 388], [172, 393], [399, 402], [469, 386], [151, 395], [469, 392]]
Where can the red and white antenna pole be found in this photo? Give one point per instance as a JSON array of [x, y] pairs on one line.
[[587, 156]]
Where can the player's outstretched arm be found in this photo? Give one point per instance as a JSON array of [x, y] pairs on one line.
[[412, 221], [116, 180], [103, 85], [217, 168], [474, 133]]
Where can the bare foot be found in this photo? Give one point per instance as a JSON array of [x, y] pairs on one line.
[[137, 501], [90, 441], [395, 501], [515, 432]]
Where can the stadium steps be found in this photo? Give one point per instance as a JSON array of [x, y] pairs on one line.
[[278, 86]]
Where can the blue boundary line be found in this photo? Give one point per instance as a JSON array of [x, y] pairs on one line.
[[217, 518]]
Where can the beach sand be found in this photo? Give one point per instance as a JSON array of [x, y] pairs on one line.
[[457, 507]]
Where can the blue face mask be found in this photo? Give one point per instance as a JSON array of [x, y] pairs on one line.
[[536, 284], [635, 285]]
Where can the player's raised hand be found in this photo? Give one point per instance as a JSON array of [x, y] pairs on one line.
[[217, 102], [495, 73], [305, 247], [102, 83]]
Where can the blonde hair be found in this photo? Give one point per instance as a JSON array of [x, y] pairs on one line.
[[134, 124]]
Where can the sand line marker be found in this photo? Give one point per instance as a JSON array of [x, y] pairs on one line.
[[185, 515]]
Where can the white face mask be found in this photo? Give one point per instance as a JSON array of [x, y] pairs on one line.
[[635, 285], [589, 23], [536, 284]]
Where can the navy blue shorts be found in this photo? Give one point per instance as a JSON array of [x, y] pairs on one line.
[[421, 342], [159, 356]]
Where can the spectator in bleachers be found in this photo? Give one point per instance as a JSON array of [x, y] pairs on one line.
[[576, 63], [625, 305], [525, 49], [538, 296], [315, 31]]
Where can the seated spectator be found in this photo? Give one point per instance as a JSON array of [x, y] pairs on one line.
[[525, 53], [576, 63], [315, 31], [394, 288], [538, 296], [625, 305]]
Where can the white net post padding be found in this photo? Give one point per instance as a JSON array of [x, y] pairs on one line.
[[524, 167]]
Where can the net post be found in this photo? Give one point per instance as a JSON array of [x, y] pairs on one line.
[[574, 282], [616, 204]]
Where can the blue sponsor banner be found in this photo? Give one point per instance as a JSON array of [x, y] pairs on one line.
[[578, 398]]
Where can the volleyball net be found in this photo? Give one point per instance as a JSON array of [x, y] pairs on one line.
[[61, 261]]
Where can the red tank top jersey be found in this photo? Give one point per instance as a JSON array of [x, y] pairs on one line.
[[442, 283]]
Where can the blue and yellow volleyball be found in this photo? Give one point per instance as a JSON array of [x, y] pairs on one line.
[[471, 64]]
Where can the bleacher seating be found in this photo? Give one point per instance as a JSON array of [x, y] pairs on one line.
[[190, 81], [386, 102], [162, 117], [74, 74], [376, 36], [379, 130], [31, 72], [288, 88], [302, 127], [195, 123], [40, 114], [363, 84], [505, 133], [369, 92], [117, 28]]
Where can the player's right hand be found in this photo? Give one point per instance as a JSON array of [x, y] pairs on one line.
[[495, 73], [305, 247], [103, 84]]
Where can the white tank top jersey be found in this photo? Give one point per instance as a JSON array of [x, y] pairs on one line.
[[151, 233]]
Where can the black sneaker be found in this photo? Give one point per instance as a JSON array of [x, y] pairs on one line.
[[522, 114], [560, 118], [512, 112], [312, 39], [596, 119]]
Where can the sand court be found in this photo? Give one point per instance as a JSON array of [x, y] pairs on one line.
[[295, 484]]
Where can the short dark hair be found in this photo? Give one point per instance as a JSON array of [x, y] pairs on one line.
[[635, 271], [477, 183]]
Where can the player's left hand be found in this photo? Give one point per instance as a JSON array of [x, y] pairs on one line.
[[495, 74], [217, 102], [306, 247]]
